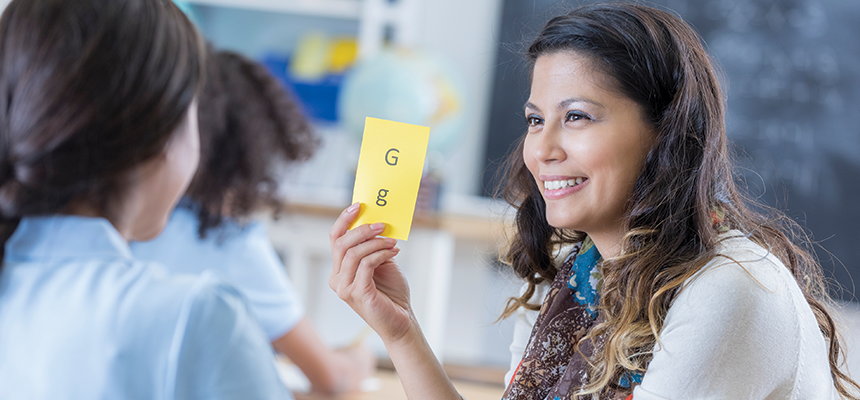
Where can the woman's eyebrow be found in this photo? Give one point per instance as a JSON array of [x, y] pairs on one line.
[[564, 103], [567, 102]]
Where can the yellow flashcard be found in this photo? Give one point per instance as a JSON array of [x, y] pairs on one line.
[[389, 173]]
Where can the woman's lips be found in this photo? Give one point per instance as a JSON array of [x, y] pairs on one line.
[[556, 189]]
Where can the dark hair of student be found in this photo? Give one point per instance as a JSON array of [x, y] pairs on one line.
[[89, 89], [248, 124], [658, 61]]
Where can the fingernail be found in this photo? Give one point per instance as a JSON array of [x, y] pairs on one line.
[[379, 226], [353, 208], [390, 241], [395, 250]]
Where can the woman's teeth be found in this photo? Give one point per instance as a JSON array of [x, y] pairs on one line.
[[554, 185]]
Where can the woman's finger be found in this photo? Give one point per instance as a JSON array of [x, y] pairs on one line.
[[341, 225], [356, 256], [351, 239], [357, 235], [357, 288], [363, 280]]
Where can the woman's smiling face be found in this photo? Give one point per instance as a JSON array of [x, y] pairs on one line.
[[585, 145]]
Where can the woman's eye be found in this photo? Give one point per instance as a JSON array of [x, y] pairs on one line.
[[533, 120], [574, 116]]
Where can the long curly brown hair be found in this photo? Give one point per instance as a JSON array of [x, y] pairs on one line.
[[657, 60], [249, 123]]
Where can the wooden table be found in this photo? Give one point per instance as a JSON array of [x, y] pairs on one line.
[[391, 389]]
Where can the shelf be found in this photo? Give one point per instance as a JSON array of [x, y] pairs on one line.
[[490, 228], [341, 9]]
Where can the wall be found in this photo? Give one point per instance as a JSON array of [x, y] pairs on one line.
[[466, 32], [463, 33]]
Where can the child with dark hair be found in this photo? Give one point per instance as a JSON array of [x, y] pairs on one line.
[[98, 140], [249, 128]]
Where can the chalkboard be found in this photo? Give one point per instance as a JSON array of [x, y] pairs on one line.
[[791, 71]]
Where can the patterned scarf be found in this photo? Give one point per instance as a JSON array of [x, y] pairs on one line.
[[551, 367]]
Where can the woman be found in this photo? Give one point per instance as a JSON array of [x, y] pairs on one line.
[[249, 128], [675, 287], [99, 139]]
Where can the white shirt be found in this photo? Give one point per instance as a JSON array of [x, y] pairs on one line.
[[81, 319], [737, 332], [241, 255]]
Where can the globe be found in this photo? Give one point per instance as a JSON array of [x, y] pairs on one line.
[[406, 86]]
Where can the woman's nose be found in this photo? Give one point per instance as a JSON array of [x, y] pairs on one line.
[[548, 147]]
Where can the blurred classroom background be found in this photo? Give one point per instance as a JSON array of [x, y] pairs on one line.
[[791, 70], [423, 62]]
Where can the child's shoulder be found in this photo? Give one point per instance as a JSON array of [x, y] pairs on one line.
[[170, 303]]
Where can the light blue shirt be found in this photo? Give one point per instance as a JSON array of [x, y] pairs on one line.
[[81, 319], [242, 255]]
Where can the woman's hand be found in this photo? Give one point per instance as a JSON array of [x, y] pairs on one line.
[[365, 276]]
